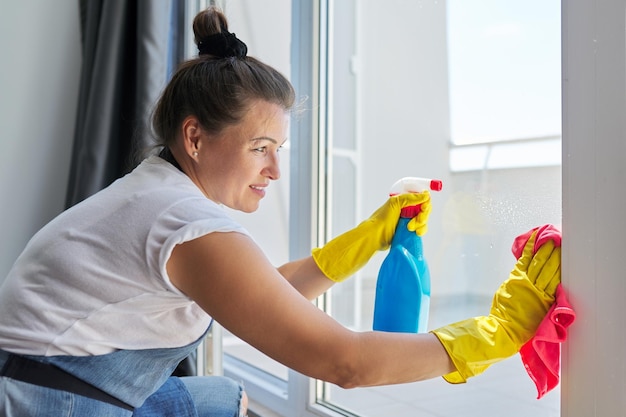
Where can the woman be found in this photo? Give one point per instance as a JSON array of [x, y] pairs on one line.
[[108, 297]]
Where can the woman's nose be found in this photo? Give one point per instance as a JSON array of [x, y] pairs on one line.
[[272, 170]]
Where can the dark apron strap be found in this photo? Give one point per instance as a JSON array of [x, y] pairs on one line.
[[49, 376], [169, 157]]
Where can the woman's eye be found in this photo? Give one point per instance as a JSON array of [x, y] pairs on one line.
[[265, 149]]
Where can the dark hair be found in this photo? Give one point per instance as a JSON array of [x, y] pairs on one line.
[[216, 89]]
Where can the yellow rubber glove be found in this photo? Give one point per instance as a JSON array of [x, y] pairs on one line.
[[518, 307], [347, 253], [419, 223]]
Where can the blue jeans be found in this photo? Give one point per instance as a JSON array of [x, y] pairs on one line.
[[206, 396]]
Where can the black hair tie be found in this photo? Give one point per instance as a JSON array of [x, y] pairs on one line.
[[223, 45]]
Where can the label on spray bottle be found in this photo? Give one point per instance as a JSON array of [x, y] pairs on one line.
[[403, 286]]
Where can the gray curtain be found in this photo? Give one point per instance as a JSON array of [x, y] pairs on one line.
[[130, 48]]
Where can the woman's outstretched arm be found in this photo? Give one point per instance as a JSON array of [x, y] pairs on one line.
[[228, 275]]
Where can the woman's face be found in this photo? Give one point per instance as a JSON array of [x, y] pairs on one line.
[[236, 166]]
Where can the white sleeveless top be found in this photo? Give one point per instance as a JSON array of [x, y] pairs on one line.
[[94, 279]]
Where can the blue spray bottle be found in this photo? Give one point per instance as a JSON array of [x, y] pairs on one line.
[[403, 286]]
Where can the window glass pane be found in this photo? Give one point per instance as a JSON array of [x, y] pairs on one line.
[[403, 122], [505, 77], [343, 297]]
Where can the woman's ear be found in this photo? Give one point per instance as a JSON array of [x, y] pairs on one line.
[[191, 132]]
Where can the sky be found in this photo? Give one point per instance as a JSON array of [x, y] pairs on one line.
[[505, 69]]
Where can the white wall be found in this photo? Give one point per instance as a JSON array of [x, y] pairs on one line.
[[39, 77]]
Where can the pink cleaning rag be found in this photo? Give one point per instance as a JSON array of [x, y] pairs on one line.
[[541, 355]]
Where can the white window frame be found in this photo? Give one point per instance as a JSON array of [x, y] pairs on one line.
[[594, 104]]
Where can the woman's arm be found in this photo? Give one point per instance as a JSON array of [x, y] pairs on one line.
[[232, 280], [306, 277]]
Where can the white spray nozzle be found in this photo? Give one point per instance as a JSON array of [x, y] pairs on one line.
[[415, 185]]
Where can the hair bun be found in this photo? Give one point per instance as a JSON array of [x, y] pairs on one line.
[[223, 44]]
